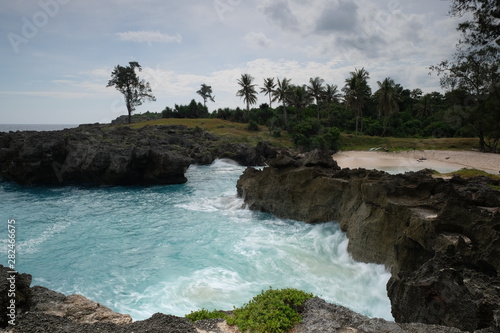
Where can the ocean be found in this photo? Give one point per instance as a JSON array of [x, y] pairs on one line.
[[34, 127], [179, 248]]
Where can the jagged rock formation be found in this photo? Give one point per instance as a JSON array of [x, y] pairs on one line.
[[439, 238], [95, 154]]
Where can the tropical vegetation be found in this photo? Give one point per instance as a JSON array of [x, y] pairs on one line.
[[314, 114], [272, 311]]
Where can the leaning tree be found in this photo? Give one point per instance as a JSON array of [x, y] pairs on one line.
[[135, 90], [206, 93]]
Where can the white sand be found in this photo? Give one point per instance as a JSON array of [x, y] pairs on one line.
[[398, 162]]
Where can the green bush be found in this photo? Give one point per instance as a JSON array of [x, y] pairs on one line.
[[202, 314], [272, 311], [253, 126]]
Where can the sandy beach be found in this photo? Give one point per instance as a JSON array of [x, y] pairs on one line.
[[403, 161]]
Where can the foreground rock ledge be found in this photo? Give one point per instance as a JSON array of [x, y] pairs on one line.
[[439, 238], [41, 310]]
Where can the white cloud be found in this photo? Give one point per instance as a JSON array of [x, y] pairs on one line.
[[148, 37]]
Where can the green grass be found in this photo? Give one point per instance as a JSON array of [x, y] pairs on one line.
[[238, 132], [470, 173], [364, 142], [235, 132]]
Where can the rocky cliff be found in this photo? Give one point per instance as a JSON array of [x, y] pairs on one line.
[[111, 155], [439, 238]]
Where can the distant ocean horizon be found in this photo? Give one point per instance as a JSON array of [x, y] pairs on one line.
[[35, 127]]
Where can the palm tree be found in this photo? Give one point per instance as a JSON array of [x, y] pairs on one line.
[[268, 89], [316, 90], [331, 95], [357, 91], [247, 90], [388, 98], [280, 94], [206, 93], [299, 97]]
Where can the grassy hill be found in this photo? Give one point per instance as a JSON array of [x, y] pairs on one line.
[[238, 132], [235, 132]]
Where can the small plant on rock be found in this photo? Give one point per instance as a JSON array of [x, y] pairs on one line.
[[272, 311], [202, 314]]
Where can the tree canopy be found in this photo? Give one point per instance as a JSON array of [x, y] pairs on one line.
[[474, 69], [206, 93], [135, 90]]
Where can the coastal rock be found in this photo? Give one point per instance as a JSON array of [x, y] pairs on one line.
[[15, 294], [401, 221], [116, 155], [320, 316], [47, 311], [77, 308], [447, 290]]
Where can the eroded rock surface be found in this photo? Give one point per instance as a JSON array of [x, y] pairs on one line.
[[96, 154], [405, 222]]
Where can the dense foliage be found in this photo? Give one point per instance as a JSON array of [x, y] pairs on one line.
[[473, 74], [272, 311], [315, 113]]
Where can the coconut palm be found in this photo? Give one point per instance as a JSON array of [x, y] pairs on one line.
[[356, 93], [268, 89], [299, 97], [280, 94], [316, 90], [388, 98], [331, 95], [247, 90]]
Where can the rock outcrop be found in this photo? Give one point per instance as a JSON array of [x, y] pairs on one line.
[[439, 238], [110, 155]]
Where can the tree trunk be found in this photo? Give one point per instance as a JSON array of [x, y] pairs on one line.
[[129, 109], [482, 145]]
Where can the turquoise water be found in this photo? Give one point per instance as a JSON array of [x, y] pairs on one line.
[[179, 248]]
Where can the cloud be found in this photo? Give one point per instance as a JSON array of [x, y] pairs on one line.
[[279, 12], [338, 17], [148, 37], [258, 39], [51, 94]]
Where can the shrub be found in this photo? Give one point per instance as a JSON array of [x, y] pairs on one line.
[[272, 311], [202, 314], [253, 126]]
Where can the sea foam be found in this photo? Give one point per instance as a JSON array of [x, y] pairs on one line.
[[178, 248]]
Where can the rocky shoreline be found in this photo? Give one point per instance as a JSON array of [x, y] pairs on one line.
[[116, 155], [439, 238], [41, 310]]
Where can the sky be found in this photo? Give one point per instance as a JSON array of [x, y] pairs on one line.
[[57, 55]]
